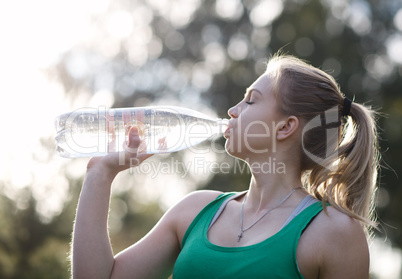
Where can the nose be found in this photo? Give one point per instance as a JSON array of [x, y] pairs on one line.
[[233, 112]]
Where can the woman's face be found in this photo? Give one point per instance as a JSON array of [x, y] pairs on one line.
[[253, 123]]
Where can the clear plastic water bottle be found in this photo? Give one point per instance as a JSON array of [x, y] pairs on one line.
[[91, 132]]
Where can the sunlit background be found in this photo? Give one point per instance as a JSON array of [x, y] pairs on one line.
[[57, 56]]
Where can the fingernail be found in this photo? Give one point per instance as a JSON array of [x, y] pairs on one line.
[[134, 130]]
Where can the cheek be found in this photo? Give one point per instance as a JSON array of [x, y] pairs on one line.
[[253, 137], [256, 135], [256, 128]]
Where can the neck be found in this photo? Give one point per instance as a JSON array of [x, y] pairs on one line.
[[268, 185]]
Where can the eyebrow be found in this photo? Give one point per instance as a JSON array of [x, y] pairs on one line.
[[249, 90]]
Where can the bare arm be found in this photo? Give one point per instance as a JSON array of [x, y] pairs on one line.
[[92, 255]]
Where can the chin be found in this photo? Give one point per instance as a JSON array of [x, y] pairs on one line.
[[236, 151], [230, 148], [244, 153]]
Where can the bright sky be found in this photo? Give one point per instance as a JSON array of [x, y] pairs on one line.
[[34, 34]]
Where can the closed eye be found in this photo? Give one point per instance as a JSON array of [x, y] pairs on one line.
[[249, 103]]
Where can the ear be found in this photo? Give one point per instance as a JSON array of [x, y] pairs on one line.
[[287, 127]]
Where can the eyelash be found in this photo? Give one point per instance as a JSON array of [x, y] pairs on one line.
[[249, 103]]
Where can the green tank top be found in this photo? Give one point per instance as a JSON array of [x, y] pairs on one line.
[[273, 258]]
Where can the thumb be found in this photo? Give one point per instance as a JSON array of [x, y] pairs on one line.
[[134, 146], [134, 140]]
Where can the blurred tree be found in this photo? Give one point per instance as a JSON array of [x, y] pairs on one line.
[[30, 248]]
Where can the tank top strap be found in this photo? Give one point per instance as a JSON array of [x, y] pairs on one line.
[[223, 205], [306, 202]]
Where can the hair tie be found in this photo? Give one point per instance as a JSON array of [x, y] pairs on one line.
[[347, 103]]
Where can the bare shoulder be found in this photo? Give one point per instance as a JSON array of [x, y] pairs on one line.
[[333, 228], [339, 226], [337, 245], [184, 212], [196, 201]]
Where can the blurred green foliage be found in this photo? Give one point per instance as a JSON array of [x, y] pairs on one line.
[[207, 53]]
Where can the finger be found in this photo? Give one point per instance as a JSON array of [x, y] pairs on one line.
[[134, 140]]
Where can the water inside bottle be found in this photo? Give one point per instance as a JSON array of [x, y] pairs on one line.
[[95, 134]]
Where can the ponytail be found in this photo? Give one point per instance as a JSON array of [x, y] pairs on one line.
[[351, 187], [345, 173]]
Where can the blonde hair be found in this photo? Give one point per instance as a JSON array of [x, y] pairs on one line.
[[346, 174]]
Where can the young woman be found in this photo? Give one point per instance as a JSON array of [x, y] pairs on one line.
[[309, 220]]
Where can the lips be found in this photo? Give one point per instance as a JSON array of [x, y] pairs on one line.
[[228, 131]]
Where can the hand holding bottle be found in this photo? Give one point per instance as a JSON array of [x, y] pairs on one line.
[[119, 161]]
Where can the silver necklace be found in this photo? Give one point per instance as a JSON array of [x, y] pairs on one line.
[[242, 230]]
